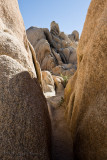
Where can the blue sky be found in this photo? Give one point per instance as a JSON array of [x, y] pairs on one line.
[[69, 14]]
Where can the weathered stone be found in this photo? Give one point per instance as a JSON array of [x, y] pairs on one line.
[[86, 92], [66, 52], [74, 36], [57, 70], [48, 84], [42, 49], [58, 83], [35, 34], [48, 63], [24, 119], [73, 56], [54, 28], [52, 48], [63, 36]]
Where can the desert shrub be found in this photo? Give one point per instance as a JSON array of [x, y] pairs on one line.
[[65, 80]]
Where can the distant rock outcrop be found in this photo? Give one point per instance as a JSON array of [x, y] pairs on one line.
[[74, 36], [54, 50], [24, 119], [86, 91]]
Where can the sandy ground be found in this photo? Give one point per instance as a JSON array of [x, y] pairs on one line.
[[61, 137]]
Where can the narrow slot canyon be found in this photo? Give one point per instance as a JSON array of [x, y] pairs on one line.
[[53, 87]]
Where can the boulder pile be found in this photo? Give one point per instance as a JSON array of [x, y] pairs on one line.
[[55, 51]]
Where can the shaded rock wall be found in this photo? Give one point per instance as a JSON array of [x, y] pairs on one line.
[[24, 120], [86, 92]]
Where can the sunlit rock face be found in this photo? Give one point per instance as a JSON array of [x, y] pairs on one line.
[[74, 36], [86, 91], [55, 51], [48, 84], [24, 119]]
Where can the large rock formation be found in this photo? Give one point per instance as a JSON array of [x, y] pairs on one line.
[[55, 51], [86, 92], [24, 119]]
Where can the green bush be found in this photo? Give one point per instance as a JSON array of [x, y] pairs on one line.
[[65, 80]]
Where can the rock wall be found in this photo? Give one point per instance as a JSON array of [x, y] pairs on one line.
[[86, 92], [24, 119]]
